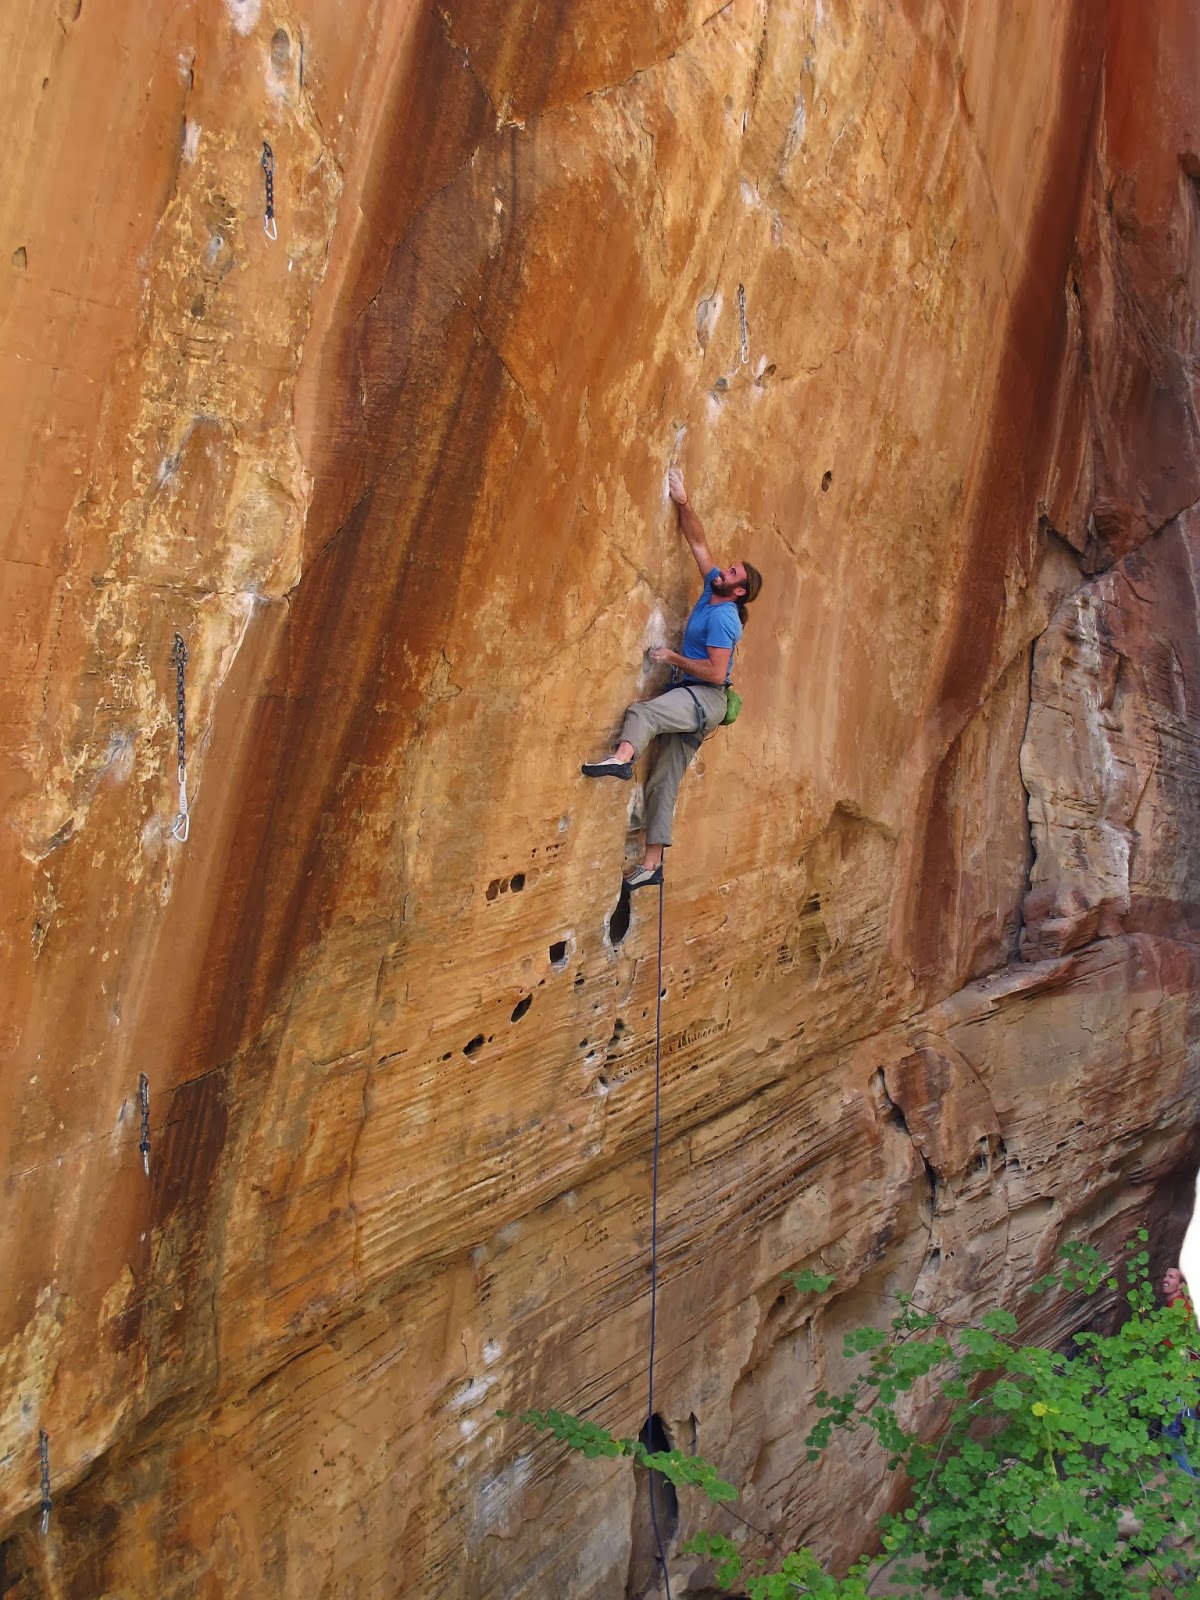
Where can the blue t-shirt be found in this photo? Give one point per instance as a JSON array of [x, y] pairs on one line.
[[717, 625]]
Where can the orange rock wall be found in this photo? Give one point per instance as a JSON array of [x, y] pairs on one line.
[[398, 478]]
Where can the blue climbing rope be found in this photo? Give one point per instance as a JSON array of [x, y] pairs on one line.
[[662, 1557]]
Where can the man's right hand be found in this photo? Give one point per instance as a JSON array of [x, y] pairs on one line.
[[675, 485]]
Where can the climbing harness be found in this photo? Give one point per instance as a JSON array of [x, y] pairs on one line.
[[699, 708], [662, 1558], [44, 1461], [742, 323], [268, 166], [144, 1101], [179, 655], [733, 705]]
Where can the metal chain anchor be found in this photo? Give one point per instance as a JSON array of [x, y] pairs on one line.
[[179, 655], [268, 166], [44, 1459], [144, 1101], [742, 323]]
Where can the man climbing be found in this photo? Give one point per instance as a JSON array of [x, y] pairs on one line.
[[696, 701]]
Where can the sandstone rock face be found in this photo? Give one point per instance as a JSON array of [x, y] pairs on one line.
[[1109, 759], [397, 478]]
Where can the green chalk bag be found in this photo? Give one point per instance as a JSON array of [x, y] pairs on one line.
[[733, 705]]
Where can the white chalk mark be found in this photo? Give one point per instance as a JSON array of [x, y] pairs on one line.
[[243, 14]]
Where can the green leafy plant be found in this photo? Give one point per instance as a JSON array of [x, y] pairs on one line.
[[685, 1472], [1057, 1473]]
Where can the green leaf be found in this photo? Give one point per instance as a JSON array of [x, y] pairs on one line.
[[981, 1343], [810, 1282], [717, 1548], [999, 1321], [1006, 1396], [864, 1339]]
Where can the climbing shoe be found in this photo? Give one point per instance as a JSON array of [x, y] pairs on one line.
[[644, 877], [611, 768]]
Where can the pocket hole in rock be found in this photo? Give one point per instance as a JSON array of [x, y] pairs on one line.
[[558, 953], [517, 882], [521, 1007], [472, 1045], [618, 923], [826, 480], [666, 1501]]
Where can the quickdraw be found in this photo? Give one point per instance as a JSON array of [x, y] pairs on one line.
[[179, 655], [268, 166], [741, 299], [144, 1102], [44, 1462]]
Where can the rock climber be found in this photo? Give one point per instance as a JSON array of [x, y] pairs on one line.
[[696, 701]]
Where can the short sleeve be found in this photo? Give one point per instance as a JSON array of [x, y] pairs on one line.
[[724, 628]]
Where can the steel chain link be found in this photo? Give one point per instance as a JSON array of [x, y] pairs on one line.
[[179, 655], [268, 166], [144, 1102], [44, 1461]]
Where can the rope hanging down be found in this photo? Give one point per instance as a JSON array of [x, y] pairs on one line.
[[268, 166], [179, 655], [742, 323], [662, 1559], [746, 1523]]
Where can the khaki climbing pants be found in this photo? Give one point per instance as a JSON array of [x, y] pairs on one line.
[[673, 717]]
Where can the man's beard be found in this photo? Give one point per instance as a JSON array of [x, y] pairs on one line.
[[721, 587]]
